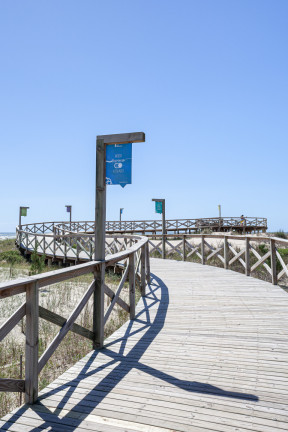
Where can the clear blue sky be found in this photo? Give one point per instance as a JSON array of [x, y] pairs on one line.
[[205, 80]]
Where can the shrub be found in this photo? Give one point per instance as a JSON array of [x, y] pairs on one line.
[[280, 233], [12, 257], [38, 262]]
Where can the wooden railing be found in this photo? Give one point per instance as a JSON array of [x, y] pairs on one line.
[[132, 253], [247, 224], [66, 246], [227, 250]]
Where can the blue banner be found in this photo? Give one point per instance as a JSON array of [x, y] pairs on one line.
[[118, 164]]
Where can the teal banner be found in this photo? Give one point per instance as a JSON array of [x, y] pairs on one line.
[[158, 206]]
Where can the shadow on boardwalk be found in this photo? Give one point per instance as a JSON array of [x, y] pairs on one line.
[[158, 297]]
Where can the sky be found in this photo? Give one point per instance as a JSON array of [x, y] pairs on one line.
[[205, 80]]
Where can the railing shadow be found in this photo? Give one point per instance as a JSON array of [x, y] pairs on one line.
[[158, 296]]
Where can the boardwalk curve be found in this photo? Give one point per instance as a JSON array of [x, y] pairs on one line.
[[207, 351]]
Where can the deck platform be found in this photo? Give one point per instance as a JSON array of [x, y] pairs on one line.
[[208, 351]]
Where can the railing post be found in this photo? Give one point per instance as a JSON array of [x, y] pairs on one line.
[[65, 249], [226, 253], [203, 249], [19, 238], [26, 234], [91, 248], [183, 247], [77, 239], [31, 356], [147, 260], [132, 285], [98, 307], [273, 261], [142, 263], [247, 257], [163, 246], [54, 246]]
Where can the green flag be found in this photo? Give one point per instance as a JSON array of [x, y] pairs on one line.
[[23, 211]]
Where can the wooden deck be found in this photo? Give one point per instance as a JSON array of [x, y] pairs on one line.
[[207, 352]]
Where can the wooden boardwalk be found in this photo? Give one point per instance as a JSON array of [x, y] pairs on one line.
[[207, 352]]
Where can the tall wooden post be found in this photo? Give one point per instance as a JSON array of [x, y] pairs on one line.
[[31, 349], [20, 226], [99, 244]]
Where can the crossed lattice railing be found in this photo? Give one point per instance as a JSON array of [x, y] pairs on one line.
[[247, 224], [266, 254], [129, 252], [64, 245]]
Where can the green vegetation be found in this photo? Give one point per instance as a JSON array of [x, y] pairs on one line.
[[11, 258], [280, 234], [37, 262]]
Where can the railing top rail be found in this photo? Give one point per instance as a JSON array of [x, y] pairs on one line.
[[224, 235], [79, 234], [257, 219]]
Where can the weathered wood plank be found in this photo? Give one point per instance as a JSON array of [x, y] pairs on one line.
[[32, 341], [60, 321], [12, 385], [123, 138], [11, 322], [119, 301], [117, 294]]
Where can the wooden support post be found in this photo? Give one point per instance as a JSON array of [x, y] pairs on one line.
[[203, 249], [147, 260], [142, 281], [54, 246], [98, 307], [163, 229], [99, 244], [226, 253], [65, 249], [273, 261], [77, 239], [183, 247], [247, 257], [132, 285], [31, 356]]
